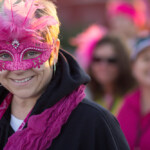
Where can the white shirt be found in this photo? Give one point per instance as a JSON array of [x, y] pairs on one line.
[[15, 122]]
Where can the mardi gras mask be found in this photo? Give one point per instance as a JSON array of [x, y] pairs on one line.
[[23, 55], [21, 47]]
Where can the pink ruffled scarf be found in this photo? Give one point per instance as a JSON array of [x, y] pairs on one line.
[[43, 128]]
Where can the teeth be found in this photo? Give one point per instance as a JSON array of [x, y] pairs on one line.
[[22, 81]]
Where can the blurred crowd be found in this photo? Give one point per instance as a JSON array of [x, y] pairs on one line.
[[118, 61]]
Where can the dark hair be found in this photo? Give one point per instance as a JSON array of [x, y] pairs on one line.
[[125, 80]]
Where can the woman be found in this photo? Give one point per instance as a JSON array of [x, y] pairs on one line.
[[106, 59], [42, 103], [134, 115], [127, 19], [110, 72]]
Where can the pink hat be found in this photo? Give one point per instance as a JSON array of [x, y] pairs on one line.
[[121, 7], [137, 11]]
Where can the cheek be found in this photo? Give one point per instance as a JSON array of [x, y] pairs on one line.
[[139, 71], [44, 73], [44, 67], [4, 80], [3, 76], [94, 68]]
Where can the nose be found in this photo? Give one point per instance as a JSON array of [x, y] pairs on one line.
[[104, 64], [19, 67], [18, 72]]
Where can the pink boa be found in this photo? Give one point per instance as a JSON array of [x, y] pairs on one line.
[[45, 127]]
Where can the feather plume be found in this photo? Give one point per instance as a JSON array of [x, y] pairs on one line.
[[43, 22], [24, 11], [17, 19], [8, 8]]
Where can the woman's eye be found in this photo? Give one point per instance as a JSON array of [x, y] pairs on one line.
[[5, 57], [31, 54]]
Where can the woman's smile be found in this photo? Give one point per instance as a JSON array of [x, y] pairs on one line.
[[27, 83], [22, 81]]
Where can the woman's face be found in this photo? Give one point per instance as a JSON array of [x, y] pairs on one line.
[[123, 25], [104, 64], [141, 68], [32, 82]]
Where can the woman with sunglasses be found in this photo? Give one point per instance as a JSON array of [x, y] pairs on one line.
[[42, 104], [107, 62], [110, 72]]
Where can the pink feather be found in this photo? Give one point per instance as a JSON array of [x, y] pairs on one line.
[[16, 20], [8, 4], [24, 11], [29, 4], [43, 22]]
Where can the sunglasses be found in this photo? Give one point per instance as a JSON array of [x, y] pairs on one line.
[[110, 60]]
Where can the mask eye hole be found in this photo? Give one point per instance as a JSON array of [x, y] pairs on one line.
[[5, 56], [31, 54]]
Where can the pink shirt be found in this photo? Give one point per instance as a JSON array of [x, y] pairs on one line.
[[135, 127]]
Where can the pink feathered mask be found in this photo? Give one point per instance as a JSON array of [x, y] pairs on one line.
[[21, 45]]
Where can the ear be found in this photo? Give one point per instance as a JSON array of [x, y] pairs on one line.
[[56, 50], [54, 54]]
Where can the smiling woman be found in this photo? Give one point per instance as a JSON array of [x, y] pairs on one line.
[[137, 104], [41, 107]]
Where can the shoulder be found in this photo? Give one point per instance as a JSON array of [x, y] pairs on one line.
[[131, 102], [102, 122], [91, 127], [96, 110], [97, 114], [132, 96]]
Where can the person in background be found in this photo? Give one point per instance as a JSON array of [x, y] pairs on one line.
[[134, 116], [127, 20], [110, 72], [85, 41], [105, 58], [42, 100]]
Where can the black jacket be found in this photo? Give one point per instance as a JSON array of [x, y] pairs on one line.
[[89, 127]]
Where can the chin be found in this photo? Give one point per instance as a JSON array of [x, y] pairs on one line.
[[24, 93]]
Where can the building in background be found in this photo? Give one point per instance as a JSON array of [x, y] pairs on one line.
[[77, 15], [77, 12]]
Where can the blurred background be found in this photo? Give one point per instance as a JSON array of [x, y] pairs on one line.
[[76, 15], [111, 41]]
